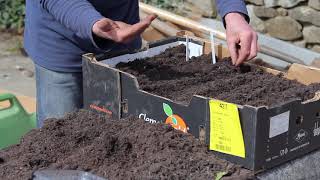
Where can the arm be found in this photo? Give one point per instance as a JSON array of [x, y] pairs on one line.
[[77, 15], [241, 38], [232, 6], [82, 18]]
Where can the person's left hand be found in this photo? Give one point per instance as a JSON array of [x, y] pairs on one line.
[[120, 32], [241, 38]]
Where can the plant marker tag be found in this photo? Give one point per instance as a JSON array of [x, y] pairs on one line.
[[212, 48], [187, 48], [225, 129]]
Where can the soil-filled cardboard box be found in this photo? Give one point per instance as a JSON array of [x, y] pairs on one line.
[[272, 135]]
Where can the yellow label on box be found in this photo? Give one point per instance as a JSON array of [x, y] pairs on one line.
[[225, 129]]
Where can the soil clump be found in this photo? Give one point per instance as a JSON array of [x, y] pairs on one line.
[[123, 149]]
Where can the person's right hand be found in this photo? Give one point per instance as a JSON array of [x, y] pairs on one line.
[[241, 38], [120, 32]]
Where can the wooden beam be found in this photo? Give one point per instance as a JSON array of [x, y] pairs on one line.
[[151, 34], [176, 19], [162, 26], [194, 25]]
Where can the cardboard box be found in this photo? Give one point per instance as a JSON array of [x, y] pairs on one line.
[[272, 135]]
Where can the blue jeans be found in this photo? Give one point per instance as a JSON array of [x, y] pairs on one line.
[[58, 93]]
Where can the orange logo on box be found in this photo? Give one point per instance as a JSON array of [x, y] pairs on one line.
[[174, 120], [101, 109]]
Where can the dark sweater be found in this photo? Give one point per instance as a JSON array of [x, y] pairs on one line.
[[58, 32]]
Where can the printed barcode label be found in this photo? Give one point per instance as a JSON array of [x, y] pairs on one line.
[[225, 129], [223, 148]]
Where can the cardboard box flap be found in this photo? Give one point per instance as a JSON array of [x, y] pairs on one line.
[[303, 74], [221, 51]]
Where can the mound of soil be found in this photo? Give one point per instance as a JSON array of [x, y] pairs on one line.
[[171, 76], [124, 149]]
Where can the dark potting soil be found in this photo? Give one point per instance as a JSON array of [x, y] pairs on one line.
[[171, 76], [124, 149]]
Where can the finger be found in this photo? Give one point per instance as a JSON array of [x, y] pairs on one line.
[[244, 52], [232, 44], [133, 31], [124, 34], [115, 25], [122, 24], [142, 25], [128, 32], [254, 47], [150, 18]]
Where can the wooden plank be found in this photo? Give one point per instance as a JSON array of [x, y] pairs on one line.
[[162, 26], [151, 34], [176, 19], [272, 71], [316, 63], [29, 103], [173, 25], [304, 74], [221, 51]]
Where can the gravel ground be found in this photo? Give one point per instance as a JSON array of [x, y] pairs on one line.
[[16, 70]]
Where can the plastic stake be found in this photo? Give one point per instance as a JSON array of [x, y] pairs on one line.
[[212, 48], [187, 48]]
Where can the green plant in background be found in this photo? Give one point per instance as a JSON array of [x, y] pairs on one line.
[[12, 14]]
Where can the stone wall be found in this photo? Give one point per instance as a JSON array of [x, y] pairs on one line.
[[296, 21]]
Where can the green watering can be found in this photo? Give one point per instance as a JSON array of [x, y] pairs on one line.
[[14, 121]]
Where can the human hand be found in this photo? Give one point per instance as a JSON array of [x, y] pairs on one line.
[[120, 32], [240, 34]]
